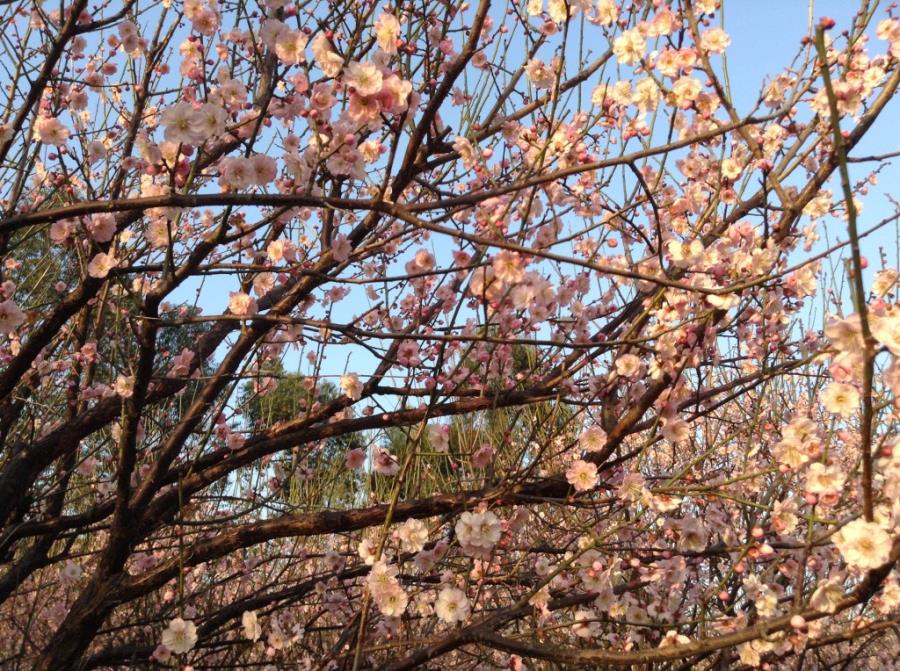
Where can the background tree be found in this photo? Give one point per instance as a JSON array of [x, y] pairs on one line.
[[320, 479]]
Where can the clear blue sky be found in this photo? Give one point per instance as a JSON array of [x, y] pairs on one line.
[[765, 36]]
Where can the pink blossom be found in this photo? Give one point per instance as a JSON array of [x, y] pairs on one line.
[[101, 265], [385, 463], [452, 605], [352, 386], [242, 304], [180, 636], [51, 131], [355, 459], [483, 456], [341, 248], [11, 317], [582, 475], [387, 30], [365, 78], [102, 227]]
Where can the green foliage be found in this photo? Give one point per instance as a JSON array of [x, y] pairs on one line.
[[333, 485], [512, 433]]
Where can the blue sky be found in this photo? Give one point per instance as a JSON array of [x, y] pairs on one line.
[[766, 35]]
